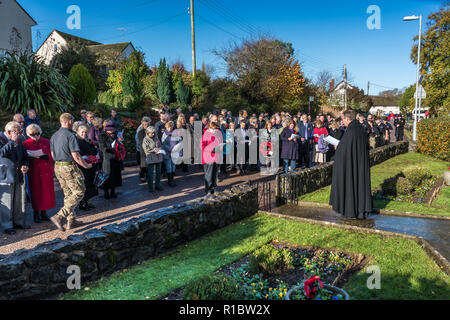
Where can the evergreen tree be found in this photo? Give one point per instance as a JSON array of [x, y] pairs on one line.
[[165, 90], [83, 85], [183, 93], [134, 74]]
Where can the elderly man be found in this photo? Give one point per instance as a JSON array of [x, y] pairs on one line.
[[13, 167], [160, 126], [21, 121], [350, 189]]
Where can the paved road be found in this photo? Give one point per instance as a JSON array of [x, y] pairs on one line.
[[134, 200]]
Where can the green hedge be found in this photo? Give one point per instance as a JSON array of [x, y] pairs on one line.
[[433, 137]]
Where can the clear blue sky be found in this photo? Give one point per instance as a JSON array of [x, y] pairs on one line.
[[325, 34]]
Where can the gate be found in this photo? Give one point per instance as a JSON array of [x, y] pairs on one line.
[[266, 194]]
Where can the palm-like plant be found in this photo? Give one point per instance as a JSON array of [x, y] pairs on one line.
[[25, 84]]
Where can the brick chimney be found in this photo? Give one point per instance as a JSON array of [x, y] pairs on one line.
[[332, 84]]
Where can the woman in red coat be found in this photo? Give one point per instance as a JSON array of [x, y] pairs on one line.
[[210, 140], [41, 173]]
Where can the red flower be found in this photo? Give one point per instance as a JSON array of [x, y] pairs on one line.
[[311, 285]]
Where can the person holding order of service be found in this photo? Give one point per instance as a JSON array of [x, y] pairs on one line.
[[350, 189]]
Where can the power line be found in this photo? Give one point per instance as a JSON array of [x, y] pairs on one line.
[[235, 21], [232, 20], [148, 27], [233, 15], [377, 85], [216, 26]]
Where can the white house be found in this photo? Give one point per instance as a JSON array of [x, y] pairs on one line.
[[58, 40], [384, 110], [15, 28], [337, 97]]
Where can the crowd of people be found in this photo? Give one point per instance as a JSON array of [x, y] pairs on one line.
[[88, 154], [75, 155]]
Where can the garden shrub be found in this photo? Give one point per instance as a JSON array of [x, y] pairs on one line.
[[84, 91], [271, 260], [213, 287], [416, 174], [25, 84], [404, 186], [433, 137]]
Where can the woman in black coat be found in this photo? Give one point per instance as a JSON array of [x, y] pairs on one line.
[[336, 133], [111, 166], [87, 149], [289, 149]]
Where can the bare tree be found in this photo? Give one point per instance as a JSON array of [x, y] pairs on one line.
[[323, 79]]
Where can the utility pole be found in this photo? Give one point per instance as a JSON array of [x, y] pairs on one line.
[[417, 98], [345, 86], [194, 64], [368, 87]]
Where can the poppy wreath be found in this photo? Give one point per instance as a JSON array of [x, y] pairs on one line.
[[311, 286], [265, 148], [92, 159]]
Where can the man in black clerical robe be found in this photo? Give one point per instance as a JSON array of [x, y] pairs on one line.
[[350, 189]]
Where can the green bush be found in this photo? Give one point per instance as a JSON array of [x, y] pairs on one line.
[[404, 186], [213, 287], [83, 85], [416, 174], [111, 99], [271, 260], [25, 84], [433, 137]]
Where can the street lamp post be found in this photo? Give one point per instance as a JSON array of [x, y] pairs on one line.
[[417, 98]]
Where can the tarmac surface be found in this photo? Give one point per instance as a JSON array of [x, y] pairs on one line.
[[133, 200]]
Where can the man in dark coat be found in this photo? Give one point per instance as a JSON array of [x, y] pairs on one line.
[[350, 188], [13, 167], [399, 128]]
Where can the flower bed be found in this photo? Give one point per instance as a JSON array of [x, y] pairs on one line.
[[416, 195], [414, 184], [286, 267]]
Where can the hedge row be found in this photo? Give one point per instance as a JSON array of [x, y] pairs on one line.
[[433, 137]]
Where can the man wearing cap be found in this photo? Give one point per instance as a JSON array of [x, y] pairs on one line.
[[66, 153]]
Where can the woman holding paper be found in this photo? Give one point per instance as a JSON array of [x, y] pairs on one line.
[[289, 149], [40, 174]]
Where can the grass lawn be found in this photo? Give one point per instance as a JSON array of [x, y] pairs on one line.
[[406, 270], [391, 168]]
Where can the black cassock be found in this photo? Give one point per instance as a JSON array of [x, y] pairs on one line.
[[350, 190]]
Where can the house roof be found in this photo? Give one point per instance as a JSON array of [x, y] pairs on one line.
[[114, 48], [76, 40], [341, 83], [35, 23]]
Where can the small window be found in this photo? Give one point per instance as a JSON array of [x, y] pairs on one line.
[[55, 47]]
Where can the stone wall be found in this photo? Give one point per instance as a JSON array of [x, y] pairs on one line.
[[292, 185], [42, 271]]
